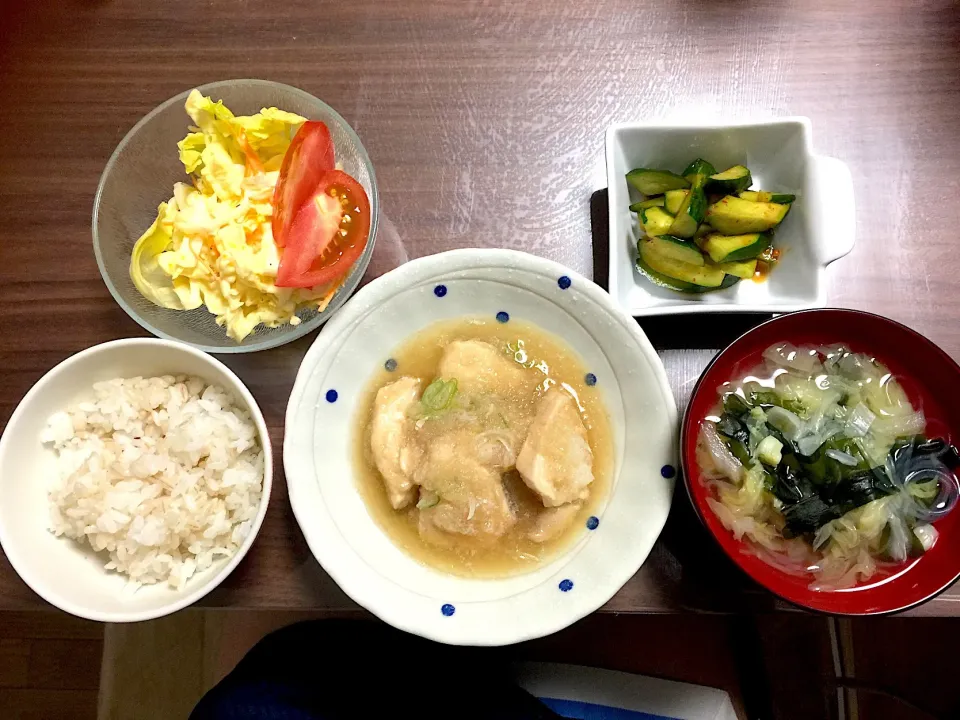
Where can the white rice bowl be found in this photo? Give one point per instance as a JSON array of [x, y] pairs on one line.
[[164, 475]]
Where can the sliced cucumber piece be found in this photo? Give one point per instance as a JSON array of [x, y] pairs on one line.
[[697, 209], [676, 248], [745, 269], [698, 171], [673, 284], [731, 248], [674, 199], [736, 216], [655, 182], [764, 196], [656, 221], [644, 204], [709, 276], [684, 226], [690, 215], [668, 282], [730, 181]]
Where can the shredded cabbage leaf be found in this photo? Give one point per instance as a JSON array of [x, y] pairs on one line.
[[145, 271]]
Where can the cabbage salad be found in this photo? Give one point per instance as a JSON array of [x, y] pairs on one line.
[[820, 460], [212, 243]]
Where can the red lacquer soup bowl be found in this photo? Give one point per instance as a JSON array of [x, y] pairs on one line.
[[930, 378]]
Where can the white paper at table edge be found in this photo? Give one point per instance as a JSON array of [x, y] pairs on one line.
[[624, 691]]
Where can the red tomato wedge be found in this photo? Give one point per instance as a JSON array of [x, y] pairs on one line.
[[327, 235], [309, 156]]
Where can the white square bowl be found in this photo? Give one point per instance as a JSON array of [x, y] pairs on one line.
[[818, 230]]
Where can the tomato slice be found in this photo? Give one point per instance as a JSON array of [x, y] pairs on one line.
[[327, 235], [309, 156]]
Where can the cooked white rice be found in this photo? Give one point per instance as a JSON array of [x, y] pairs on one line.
[[164, 474]]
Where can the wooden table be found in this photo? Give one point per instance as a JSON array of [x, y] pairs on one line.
[[485, 123]]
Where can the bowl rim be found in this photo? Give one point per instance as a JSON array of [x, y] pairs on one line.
[[719, 125], [240, 391], [688, 479], [293, 333], [679, 305], [298, 487]]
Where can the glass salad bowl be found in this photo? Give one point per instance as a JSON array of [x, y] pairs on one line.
[[141, 174]]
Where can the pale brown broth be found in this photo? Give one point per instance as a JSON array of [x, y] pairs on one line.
[[549, 362]]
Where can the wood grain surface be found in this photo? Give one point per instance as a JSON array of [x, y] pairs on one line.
[[484, 120]]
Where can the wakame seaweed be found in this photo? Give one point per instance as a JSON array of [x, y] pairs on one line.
[[815, 489]]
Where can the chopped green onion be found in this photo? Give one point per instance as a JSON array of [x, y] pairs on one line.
[[438, 396], [428, 499]]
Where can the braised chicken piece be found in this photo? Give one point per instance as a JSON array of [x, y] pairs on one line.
[[552, 522], [482, 369], [556, 460], [459, 494], [395, 449]]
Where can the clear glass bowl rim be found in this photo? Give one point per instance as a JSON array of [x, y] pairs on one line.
[[290, 333]]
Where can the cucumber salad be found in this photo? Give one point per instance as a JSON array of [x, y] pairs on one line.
[[820, 460], [705, 230]]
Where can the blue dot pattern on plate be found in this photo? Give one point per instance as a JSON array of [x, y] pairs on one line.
[[593, 522], [590, 379], [448, 610], [668, 471], [502, 316], [332, 396], [566, 585], [390, 365], [563, 282], [440, 291]]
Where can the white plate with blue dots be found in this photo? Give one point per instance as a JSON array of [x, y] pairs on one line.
[[318, 448]]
